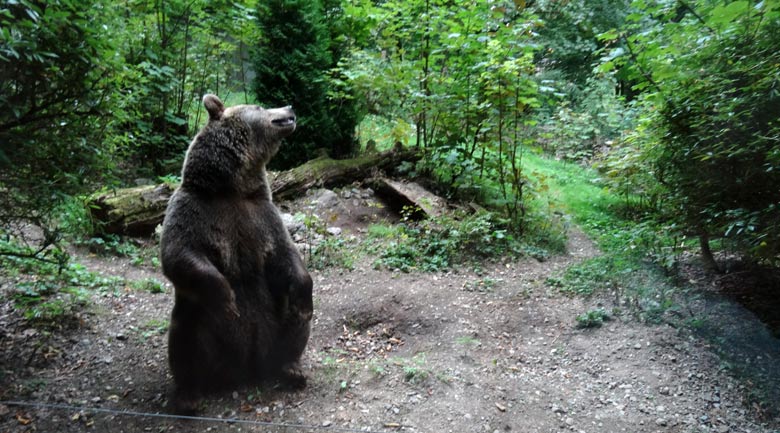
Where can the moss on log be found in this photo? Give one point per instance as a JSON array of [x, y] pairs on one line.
[[327, 172], [132, 211]]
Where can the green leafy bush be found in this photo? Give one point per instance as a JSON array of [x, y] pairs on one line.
[[438, 243], [593, 318], [710, 129]]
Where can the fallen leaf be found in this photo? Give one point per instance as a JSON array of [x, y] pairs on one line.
[[23, 418]]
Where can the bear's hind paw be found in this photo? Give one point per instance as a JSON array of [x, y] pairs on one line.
[[291, 377], [186, 406]]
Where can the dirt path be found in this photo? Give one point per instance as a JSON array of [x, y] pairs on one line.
[[489, 350]]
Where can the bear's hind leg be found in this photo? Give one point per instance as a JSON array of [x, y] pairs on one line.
[[200, 360], [289, 349], [187, 376]]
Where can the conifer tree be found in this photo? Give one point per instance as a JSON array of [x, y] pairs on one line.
[[291, 63]]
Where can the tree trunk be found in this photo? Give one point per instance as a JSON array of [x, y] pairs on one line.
[[139, 210], [706, 253]]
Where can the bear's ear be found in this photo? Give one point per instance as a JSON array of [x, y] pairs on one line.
[[214, 106]]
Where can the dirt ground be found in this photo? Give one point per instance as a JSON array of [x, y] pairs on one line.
[[490, 350]]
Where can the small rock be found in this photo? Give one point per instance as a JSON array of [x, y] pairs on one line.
[[557, 409], [327, 423], [334, 231], [638, 346], [661, 422], [326, 199]]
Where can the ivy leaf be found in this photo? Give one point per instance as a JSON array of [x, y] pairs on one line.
[[728, 13]]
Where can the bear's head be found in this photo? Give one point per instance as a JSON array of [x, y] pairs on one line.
[[230, 153]]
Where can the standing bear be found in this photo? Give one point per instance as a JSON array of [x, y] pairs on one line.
[[243, 298]]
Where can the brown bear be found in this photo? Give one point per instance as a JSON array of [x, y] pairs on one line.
[[243, 298]]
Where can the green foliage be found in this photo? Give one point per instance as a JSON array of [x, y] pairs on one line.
[[593, 318], [54, 63], [586, 277], [332, 252], [414, 368], [154, 327], [462, 78], [292, 63], [438, 243], [577, 125], [570, 31], [708, 71], [151, 285]]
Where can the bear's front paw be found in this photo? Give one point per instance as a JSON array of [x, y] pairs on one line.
[[185, 404]]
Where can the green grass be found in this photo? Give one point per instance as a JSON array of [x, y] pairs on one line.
[[575, 191], [384, 132]]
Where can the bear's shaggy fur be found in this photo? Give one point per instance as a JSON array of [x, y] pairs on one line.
[[243, 298]]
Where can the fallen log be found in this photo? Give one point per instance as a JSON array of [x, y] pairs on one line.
[[410, 197], [137, 211], [132, 211], [326, 172]]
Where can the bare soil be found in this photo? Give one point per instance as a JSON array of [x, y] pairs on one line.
[[476, 349]]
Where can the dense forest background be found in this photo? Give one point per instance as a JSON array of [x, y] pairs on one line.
[[676, 104]]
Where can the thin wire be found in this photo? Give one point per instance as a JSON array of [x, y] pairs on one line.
[[181, 417]]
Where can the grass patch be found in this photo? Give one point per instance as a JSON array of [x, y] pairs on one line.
[[636, 252], [151, 285]]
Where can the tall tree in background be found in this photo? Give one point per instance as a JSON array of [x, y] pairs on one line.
[[292, 65], [174, 51]]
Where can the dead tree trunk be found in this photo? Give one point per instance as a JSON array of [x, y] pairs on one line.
[[137, 211]]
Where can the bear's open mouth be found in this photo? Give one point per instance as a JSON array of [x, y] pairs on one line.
[[284, 121]]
